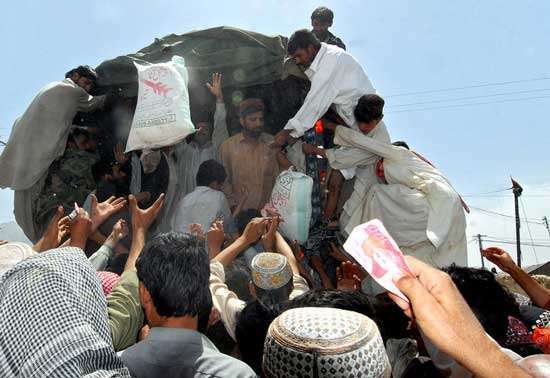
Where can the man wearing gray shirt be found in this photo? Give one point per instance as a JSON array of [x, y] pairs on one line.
[[173, 274]]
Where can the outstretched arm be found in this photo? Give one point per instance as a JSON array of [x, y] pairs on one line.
[[219, 134], [252, 233], [319, 98], [538, 294]]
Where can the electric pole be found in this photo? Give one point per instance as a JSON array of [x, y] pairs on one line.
[[545, 221], [517, 189], [480, 242]]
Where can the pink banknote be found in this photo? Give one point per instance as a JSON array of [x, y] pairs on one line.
[[375, 250]]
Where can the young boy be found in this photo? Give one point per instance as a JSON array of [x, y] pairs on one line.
[[207, 202]]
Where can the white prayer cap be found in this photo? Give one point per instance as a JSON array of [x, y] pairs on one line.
[[270, 270], [324, 342], [12, 253]]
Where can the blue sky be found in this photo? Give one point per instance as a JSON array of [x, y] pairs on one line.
[[404, 46]]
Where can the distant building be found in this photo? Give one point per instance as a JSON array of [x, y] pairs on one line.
[[539, 269]]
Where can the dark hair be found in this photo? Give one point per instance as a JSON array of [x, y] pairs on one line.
[[219, 336], [323, 14], [174, 269], [274, 296], [251, 330], [343, 300], [117, 263], [490, 301], [201, 115], [400, 143], [210, 171], [84, 71], [244, 217], [301, 39], [100, 169], [369, 107], [237, 277]]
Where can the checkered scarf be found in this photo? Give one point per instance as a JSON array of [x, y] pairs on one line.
[[108, 281], [53, 319]]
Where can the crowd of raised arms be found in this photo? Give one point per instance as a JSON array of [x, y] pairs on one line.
[[124, 280]]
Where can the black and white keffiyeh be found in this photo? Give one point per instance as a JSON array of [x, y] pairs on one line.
[[53, 319]]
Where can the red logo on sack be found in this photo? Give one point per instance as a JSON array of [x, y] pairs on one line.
[[158, 88]]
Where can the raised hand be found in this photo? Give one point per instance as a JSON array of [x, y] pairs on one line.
[[143, 219], [57, 229], [120, 230], [100, 212], [120, 156], [215, 236], [81, 228], [196, 228], [216, 87], [348, 276], [255, 229], [268, 239], [500, 258]]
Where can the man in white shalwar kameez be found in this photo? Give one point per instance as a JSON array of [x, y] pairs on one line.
[[205, 142], [39, 137], [418, 205], [336, 79]]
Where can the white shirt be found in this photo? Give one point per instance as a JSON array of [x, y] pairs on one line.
[[446, 223], [336, 78], [361, 163], [203, 206], [190, 155]]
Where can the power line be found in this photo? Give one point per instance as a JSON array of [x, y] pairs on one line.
[[528, 229], [466, 105], [510, 239], [470, 97], [491, 192], [494, 84], [497, 197], [527, 220], [514, 243]]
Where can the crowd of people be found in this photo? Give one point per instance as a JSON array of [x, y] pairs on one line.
[[171, 262]]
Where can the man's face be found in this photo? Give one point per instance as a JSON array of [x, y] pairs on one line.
[[320, 28], [82, 82], [253, 124], [203, 133], [367, 127], [304, 57]]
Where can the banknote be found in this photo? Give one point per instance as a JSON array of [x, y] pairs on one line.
[[373, 248]]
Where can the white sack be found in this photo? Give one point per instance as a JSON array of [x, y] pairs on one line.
[[162, 117], [291, 197]]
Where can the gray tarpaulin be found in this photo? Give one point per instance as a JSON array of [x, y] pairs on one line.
[[252, 65], [245, 58]]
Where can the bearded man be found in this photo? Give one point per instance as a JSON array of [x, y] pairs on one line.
[[251, 165]]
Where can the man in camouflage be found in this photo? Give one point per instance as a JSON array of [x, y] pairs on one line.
[[70, 177]]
